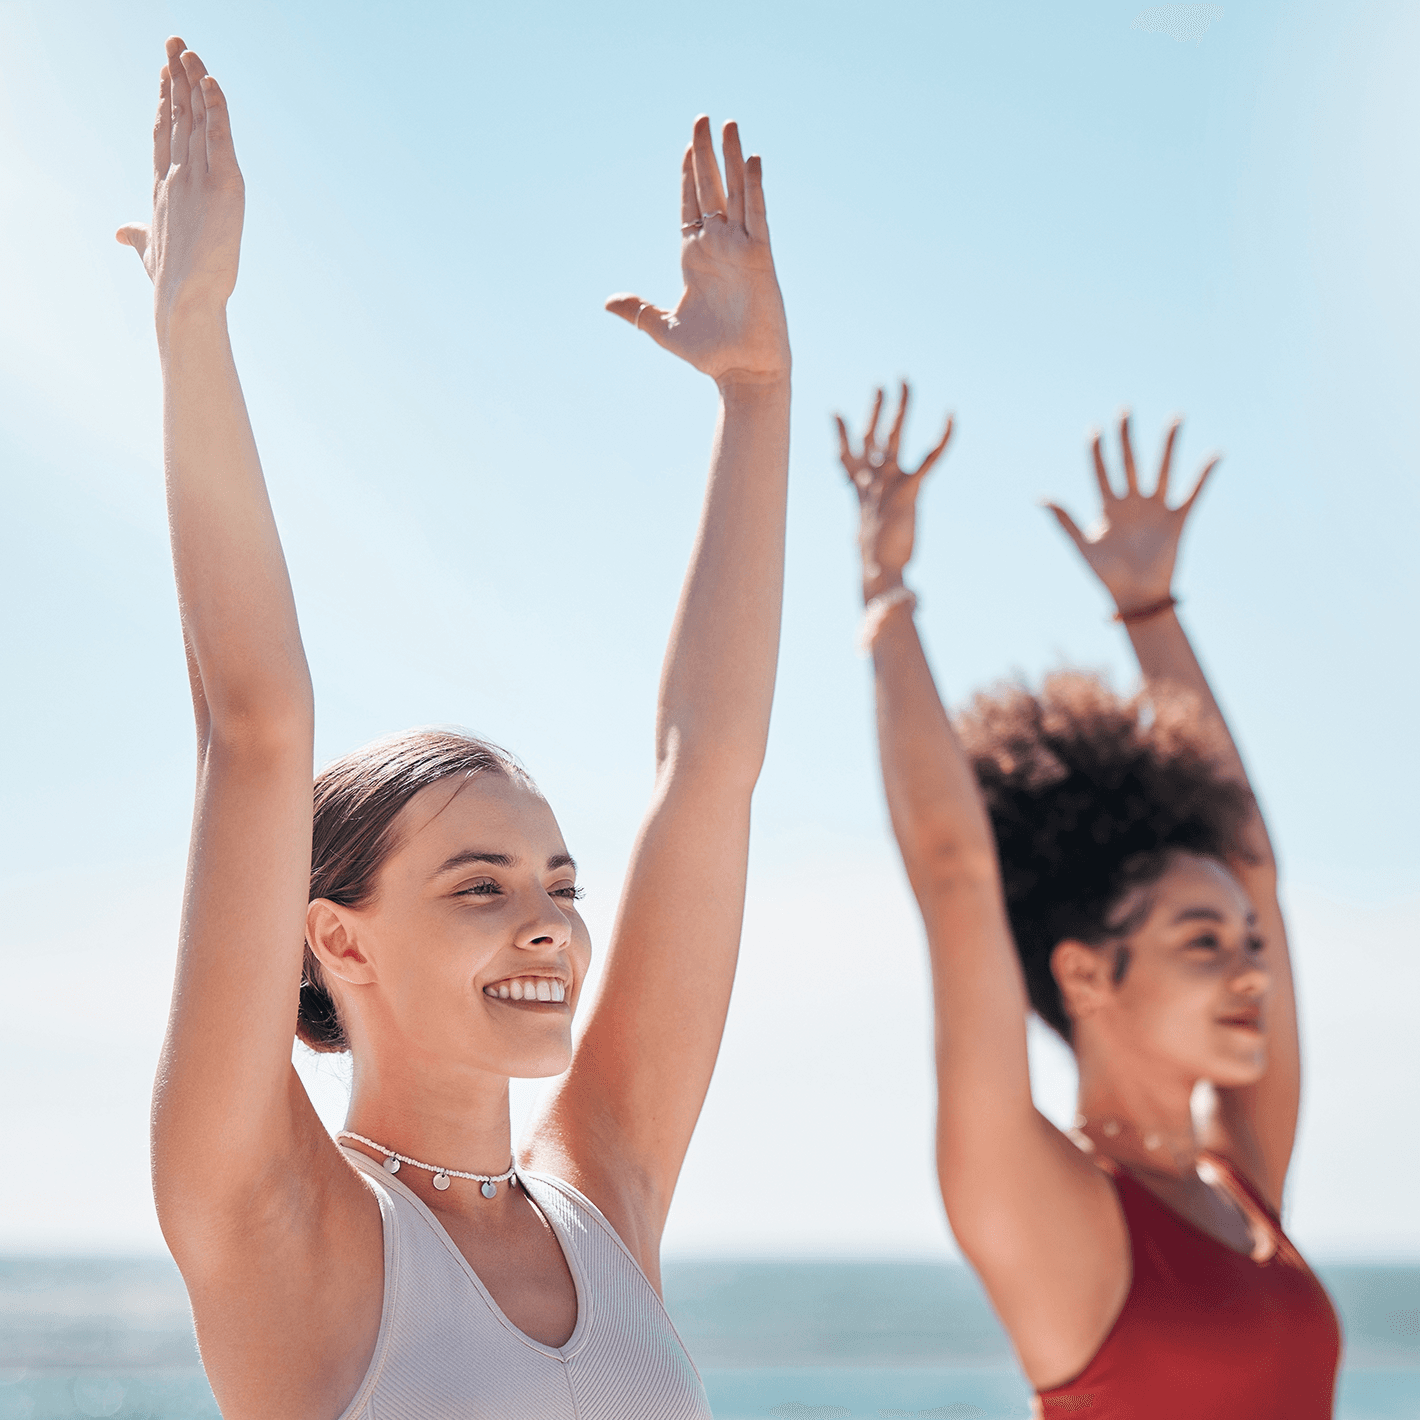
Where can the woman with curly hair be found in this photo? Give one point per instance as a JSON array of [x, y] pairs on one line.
[[427, 1269], [1103, 861]]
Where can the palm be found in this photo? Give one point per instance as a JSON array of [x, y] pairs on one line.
[[887, 494], [192, 246], [1134, 547], [730, 316], [729, 321]]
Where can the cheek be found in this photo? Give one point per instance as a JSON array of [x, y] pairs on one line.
[[437, 955], [1175, 1006], [581, 952]]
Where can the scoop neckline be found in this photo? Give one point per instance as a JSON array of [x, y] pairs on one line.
[[1252, 1215], [569, 1348]]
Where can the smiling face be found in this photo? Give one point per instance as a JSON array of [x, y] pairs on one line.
[[471, 952], [1192, 997]]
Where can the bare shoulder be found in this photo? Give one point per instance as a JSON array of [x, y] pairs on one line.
[[287, 1286], [1041, 1223]]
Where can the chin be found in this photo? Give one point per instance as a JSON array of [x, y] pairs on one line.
[[1234, 1071]]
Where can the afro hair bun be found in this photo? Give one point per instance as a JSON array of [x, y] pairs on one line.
[[1089, 794]]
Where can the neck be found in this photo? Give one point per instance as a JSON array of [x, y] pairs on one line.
[[456, 1119], [1138, 1119]]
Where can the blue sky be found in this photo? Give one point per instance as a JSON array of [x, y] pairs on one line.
[[487, 487]]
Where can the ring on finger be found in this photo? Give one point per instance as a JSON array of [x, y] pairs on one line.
[[706, 216], [686, 228]]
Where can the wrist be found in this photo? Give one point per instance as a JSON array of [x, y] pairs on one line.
[[746, 388], [878, 581], [882, 608], [181, 313], [1130, 611]]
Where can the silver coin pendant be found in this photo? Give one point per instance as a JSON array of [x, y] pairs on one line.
[[391, 1164], [489, 1189], [441, 1181]]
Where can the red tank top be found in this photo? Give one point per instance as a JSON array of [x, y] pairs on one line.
[[1206, 1331]]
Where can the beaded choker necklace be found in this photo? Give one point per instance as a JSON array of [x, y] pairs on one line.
[[490, 1181]]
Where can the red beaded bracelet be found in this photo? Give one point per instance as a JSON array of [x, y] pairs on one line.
[[1143, 613]]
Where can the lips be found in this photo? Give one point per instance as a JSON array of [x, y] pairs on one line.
[[1245, 1020]]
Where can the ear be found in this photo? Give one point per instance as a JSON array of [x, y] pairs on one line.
[[332, 933], [1082, 974]]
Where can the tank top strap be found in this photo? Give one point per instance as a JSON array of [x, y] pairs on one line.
[[1240, 1181]]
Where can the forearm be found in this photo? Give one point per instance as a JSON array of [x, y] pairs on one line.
[[717, 683], [936, 809], [949, 852], [238, 613], [1169, 666]]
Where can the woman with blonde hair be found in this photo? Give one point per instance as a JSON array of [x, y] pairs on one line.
[[425, 1266]]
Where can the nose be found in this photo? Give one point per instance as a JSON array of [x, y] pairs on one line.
[[1251, 979], [546, 927]]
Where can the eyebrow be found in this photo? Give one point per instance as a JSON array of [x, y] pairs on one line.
[[1208, 914], [498, 860]]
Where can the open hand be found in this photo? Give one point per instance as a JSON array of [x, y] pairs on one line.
[[192, 245], [1132, 550], [729, 321], [887, 495]]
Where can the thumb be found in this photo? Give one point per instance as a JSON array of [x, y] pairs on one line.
[[657, 323], [1068, 523], [134, 235]]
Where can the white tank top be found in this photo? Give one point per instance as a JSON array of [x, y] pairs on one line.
[[446, 1350]]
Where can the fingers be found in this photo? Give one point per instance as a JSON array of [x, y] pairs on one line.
[[134, 235], [194, 68], [1198, 487], [925, 467], [689, 209], [734, 175], [643, 315], [1161, 488], [845, 447], [221, 156], [870, 433], [709, 192], [1101, 472], [163, 128], [756, 222], [1068, 523], [895, 434], [1131, 476], [181, 99]]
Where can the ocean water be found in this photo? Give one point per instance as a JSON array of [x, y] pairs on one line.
[[790, 1340]]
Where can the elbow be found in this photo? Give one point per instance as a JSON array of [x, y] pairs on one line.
[[726, 766], [270, 729], [940, 860]]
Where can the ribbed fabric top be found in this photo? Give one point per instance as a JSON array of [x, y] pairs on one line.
[[1206, 1331], [445, 1348]]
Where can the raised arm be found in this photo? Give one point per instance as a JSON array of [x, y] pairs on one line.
[[244, 1175], [1035, 1218], [620, 1120], [1132, 552]]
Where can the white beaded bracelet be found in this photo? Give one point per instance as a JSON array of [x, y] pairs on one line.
[[876, 612]]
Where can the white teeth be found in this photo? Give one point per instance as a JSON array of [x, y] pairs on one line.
[[528, 988]]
